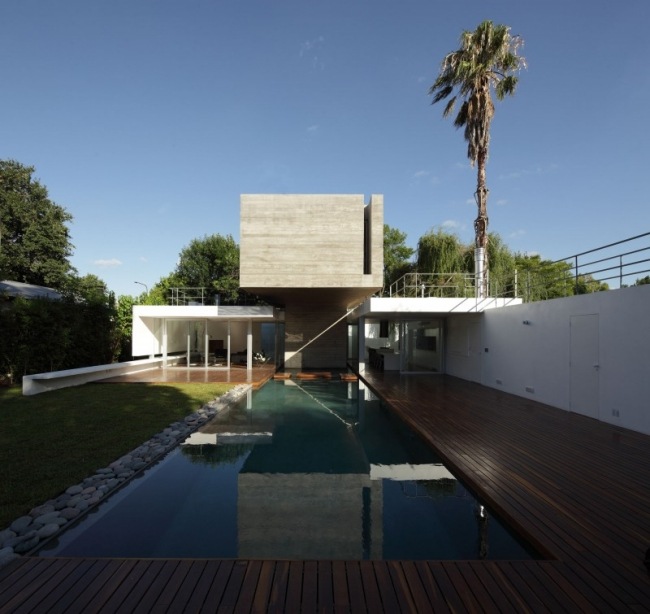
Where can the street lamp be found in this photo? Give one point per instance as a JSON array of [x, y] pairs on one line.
[[145, 286]]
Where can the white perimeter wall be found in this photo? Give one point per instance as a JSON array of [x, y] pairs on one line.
[[537, 355]]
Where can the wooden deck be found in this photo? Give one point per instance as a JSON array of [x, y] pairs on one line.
[[579, 490], [200, 375]]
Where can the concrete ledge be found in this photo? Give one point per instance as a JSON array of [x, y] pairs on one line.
[[54, 380]]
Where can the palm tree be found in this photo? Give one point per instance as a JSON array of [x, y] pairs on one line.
[[486, 60]]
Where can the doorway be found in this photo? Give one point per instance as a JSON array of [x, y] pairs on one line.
[[584, 363], [422, 348]]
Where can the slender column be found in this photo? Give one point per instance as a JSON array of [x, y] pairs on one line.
[[189, 341], [249, 345], [206, 341], [228, 347], [164, 342]]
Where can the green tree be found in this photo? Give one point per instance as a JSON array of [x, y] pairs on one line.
[[397, 255], [34, 239], [440, 251], [486, 61], [123, 331], [212, 263], [502, 266], [543, 279], [161, 291], [642, 281]]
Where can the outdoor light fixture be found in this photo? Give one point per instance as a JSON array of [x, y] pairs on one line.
[[526, 322], [145, 286]]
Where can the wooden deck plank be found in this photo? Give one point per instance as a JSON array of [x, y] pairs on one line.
[[474, 586], [120, 573], [171, 585], [357, 598], [218, 585], [261, 598], [309, 600], [403, 592], [246, 596], [72, 592], [371, 593], [208, 572], [22, 578], [294, 586], [503, 599], [278, 596], [233, 588], [390, 599], [324, 577], [157, 587], [116, 601], [340, 587]]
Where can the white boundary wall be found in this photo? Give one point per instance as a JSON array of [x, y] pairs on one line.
[[54, 380], [526, 350]]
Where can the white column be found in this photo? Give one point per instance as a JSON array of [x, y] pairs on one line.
[[249, 345], [206, 341], [189, 344], [228, 347], [164, 342]]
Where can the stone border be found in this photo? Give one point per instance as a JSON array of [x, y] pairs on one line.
[[27, 533]]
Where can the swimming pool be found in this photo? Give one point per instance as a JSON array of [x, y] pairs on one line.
[[296, 470]]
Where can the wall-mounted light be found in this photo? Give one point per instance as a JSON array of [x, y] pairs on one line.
[[526, 322]]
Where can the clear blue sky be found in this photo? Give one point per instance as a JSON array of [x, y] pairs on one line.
[[147, 119]]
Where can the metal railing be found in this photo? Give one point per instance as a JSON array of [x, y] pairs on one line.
[[616, 269], [193, 296], [425, 285], [602, 268], [209, 296]]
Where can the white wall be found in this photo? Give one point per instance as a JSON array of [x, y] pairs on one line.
[[463, 347], [537, 355]]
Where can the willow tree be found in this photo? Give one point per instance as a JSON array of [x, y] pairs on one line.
[[486, 62]]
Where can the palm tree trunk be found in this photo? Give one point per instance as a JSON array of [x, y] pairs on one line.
[[480, 227]]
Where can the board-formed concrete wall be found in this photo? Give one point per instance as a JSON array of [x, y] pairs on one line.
[[315, 255], [527, 350], [310, 241]]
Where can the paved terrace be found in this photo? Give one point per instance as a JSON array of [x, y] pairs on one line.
[[578, 489]]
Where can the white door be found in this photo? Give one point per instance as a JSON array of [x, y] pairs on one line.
[[584, 365]]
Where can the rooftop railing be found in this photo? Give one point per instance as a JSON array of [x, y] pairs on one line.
[[208, 296], [193, 296], [615, 265]]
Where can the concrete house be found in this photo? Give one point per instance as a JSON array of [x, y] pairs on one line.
[[317, 257]]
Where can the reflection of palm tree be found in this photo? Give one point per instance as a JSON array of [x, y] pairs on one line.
[[482, 521], [487, 58]]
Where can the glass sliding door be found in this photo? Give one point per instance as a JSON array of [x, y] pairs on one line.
[[422, 346]]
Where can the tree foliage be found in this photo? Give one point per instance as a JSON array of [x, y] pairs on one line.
[[439, 251], [123, 335], [34, 238], [397, 255], [486, 61], [45, 335], [212, 263], [41, 335]]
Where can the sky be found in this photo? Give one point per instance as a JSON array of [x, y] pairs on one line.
[[146, 119]]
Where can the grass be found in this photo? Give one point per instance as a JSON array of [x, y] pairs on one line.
[[51, 441]]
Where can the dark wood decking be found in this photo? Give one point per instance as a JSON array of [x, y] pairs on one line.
[[579, 490]]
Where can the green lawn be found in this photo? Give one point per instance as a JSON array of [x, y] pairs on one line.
[[53, 440]]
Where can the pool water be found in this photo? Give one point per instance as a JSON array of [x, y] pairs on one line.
[[297, 470]]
